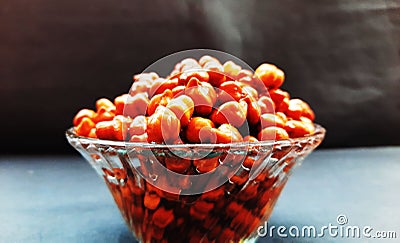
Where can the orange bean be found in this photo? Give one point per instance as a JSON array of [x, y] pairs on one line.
[[106, 104], [159, 100], [205, 165], [283, 106], [121, 126], [82, 114], [309, 124], [273, 133], [183, 107], [203, 206], [201, 75], [199, 130], [177, 165], [206, 59], [199, 216], [92, 133], [213, 195], [282, 116], [160, 85], [119, 103], [216, 73], [270, 75], [153, 189], [231, 112], [277, 95], [297, 128], [138, 126], [189, 62], [103, 115], [151, 200], [271, 120], [298, 108], [115, 129], [248, 90], [252, 82], [295, 109], [307, 111], [231, 69], [244, 73], [202, 94], [190, 68], [147, 77], [178, 90], [136, 105], [266, 105], [153, 87], [227, 133], [239, 180], [105, 130], [253, 110], [249, 161], [84, 127], [163, 126], [140, 87], [175, 73], [230, 90], [139, 138], [162, 217]]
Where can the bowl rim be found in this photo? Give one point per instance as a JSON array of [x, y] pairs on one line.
[[319, 132]]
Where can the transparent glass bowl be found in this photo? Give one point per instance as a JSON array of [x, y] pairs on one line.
[[228, 212]]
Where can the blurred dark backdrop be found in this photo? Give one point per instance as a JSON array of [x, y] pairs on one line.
[[57, 56]]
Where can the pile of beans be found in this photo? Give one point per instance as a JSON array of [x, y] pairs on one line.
[[201, 101], [223, 101]]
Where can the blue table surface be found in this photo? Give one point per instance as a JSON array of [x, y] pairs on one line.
[[62, 199]]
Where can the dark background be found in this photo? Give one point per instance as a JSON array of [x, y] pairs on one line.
[[58, 56]]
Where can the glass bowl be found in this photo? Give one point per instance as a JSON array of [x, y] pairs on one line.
[[226, 206]]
